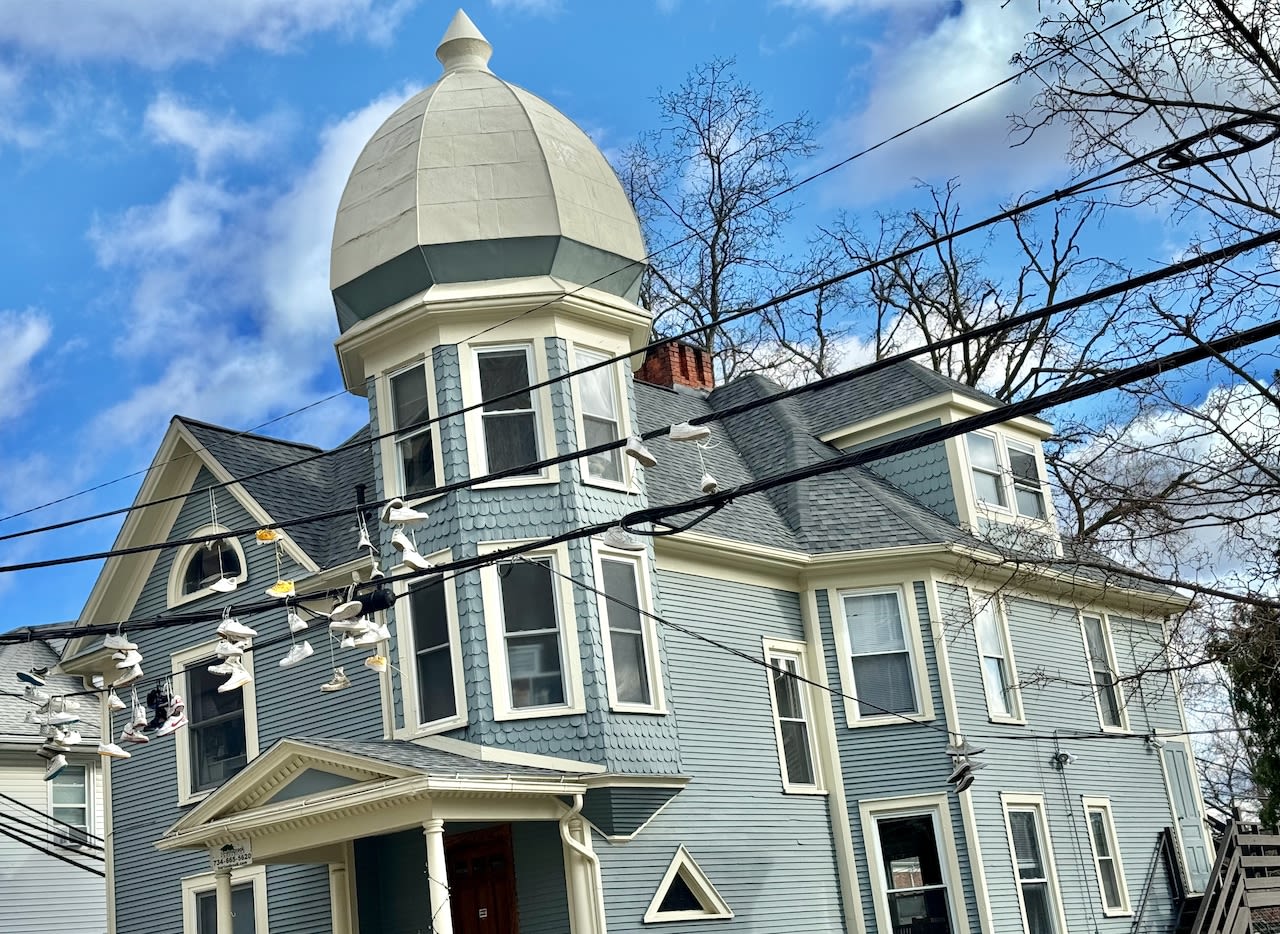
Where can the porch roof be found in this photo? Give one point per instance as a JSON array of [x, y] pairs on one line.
[[306, 794]]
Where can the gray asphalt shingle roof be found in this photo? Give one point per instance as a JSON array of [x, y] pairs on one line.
[[21, 656], [433, 761]]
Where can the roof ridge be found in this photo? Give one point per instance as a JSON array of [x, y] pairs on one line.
[[187, 420]]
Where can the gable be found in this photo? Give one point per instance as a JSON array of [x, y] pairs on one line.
[[311, 781]]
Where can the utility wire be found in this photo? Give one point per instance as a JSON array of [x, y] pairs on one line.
[[788, 296], [712, 502], [1095, 295]]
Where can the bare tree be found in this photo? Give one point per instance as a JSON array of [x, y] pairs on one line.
[[711, 187]]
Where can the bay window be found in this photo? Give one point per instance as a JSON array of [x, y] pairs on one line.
[[415, 453], [509, 415], [600, 410], [635, 682]]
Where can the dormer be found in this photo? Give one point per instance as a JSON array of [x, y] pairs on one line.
[[992, 481]]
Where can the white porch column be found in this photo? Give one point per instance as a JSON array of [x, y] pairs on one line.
[[222, 894], [339, 898], [437, 878]]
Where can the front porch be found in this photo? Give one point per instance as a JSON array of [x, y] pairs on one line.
[[416, 837]]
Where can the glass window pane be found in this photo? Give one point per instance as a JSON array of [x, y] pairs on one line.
[[1030, 503], [1026, 844], [796, 752], [1035, 899], [429, 612], [875, 622], [988, 488], [70, 815], [1108, 698], [409, 398], [417, 463], [883, 683], [605, 465], [534, 665], [620, 586], [987, 627], [1098, 829], [597, 390], [218, 752], [920, 912], [1022, 464], [910, 851], [502, 372], [204, 701], [1110, 884], [511, 441], [997, 686], [786, 689], [528, 597], [242, 911], [435, 686], [982, 453], [626, 632], [630, 670], [1096, 642]]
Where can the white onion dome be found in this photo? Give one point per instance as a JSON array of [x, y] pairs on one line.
[[475, 179]]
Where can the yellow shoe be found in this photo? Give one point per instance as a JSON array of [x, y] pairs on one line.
[[281, 588]]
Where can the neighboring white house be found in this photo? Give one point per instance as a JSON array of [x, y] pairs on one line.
[[46, 882]]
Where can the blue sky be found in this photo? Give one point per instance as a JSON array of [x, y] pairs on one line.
[[169, 174]]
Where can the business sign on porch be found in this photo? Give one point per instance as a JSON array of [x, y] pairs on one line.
[[231, 855]]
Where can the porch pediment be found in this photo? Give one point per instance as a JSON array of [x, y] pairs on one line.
[[302, 793]]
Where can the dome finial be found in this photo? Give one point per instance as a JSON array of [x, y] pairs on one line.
[[463, 48]]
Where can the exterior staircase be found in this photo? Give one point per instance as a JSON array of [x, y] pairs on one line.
[[1243, 892]]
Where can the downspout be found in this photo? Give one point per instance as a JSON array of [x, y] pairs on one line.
[[586, 894]]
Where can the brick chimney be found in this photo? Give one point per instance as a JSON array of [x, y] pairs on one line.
[[678, 364]]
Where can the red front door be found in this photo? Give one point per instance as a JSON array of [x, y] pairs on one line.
[[482, 881]]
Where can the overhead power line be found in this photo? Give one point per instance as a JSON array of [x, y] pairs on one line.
[[1031, 67], [790, 295], [1101, 294], [712, 502]]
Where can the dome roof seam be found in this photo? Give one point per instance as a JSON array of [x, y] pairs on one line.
[[542, 152]]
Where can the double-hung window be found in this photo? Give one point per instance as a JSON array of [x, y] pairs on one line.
[[221, 735], [532, 634], [792, 716], [881, 651], [601, 415], [997, 667], [410, 408], [1006, 475], [1032, 866], [508, 412], [69, 804], [1097, 639], [914, 879], [248, 902], [1106, 856], [433, 650], [634, 678]]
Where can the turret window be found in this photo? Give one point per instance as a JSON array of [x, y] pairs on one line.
[[598, 400], [410, 408], [509, 414]]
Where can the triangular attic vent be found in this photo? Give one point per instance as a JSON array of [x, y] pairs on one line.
[[686, 893]]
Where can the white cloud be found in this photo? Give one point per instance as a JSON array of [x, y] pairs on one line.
[[211, 140], [23, 335], [527, 6], [158, 33], [949, 60], [230, 305]]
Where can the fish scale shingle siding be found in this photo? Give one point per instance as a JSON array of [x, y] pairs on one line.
[[144, 787], [769, 854]]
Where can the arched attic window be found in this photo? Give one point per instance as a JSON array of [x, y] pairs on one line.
[[199, 566]]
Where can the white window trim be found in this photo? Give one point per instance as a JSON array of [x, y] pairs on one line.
[[653, 657], [624, 425], [915, 649], [1008, 513], [1018, 717], [1034, 802], [390, 449], [178, 570], [698, 883], [872, 810], [90, 822], [193, 886], [179, 661], [500, 681], [1110, 646], [407, 651], [539, 399], [799, 652], [1093, 803]]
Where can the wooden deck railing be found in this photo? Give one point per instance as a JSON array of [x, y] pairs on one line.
[[1245, 878]]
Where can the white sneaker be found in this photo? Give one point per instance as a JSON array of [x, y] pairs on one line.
[[357, 625], [708, 484], [635, 449], [376, 634], [402, 542], [234, 630], [224, 585], [364, 539], [411, 559], [127, 659], [296, 654], [296, 622], [98, 682], [139, 716], [349, 609], [337, 682], [347, 642], [55, 718], [114, 702], [35, 695], [228, 649], [222, 668], [130, 735], [34, 676], [71, 738], [128, 677], [239, 678], [118, 642], [397, 513], [686, 432], [113, 751], [56, 765], [378, 663], [618, 537], [175, 722]]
